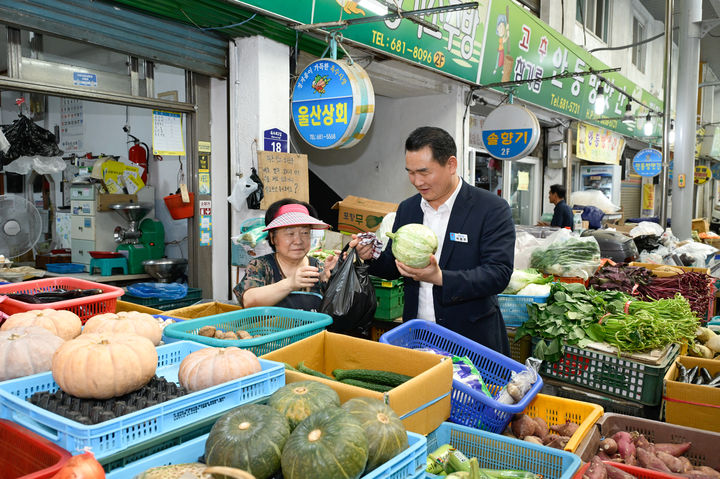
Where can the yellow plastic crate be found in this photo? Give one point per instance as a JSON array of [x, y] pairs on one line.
[[554, 410]]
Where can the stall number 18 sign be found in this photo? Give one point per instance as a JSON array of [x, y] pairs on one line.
[[275, 140]]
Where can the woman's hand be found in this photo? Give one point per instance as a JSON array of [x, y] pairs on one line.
[[364, 251], [304, 277], [329, 264]]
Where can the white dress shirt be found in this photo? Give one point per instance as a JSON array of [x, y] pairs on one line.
[[436, 220]]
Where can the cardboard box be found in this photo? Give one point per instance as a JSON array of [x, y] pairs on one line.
[[700, 225], [128, 306], [427, 394], [700, 406], [105, 200], [625, 228], [358, 214], [202, 310], [663, 274]]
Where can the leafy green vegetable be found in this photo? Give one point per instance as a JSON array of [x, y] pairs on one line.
[[573, 257], [523, 277]]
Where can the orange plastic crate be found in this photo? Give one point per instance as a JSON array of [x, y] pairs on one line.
[[25, 455]]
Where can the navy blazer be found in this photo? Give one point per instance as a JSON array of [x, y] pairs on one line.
[[473, 272]]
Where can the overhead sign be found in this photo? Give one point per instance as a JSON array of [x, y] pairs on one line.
[[599, 145], [702, 174], [647, 162], [498, 41], [333, 104], [510, 132]]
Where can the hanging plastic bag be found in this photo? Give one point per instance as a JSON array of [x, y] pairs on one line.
[[350, 297], [564, 254], [254, 199], [158, 290], [240, 192]]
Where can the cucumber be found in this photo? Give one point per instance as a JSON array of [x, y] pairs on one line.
[[381, 388], [372, 376], [304, 369], [288, 367]]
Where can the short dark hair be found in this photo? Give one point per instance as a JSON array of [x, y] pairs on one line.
[[273, 210], [558, 190], [440, 142]]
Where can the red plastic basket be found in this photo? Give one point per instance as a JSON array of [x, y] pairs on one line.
[[85, 308], [25, 455]]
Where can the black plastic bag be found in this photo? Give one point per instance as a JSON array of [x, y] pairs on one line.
[[26, 138], [254, 199], [350, 297]]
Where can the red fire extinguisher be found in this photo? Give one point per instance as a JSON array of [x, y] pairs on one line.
[[139, 156]]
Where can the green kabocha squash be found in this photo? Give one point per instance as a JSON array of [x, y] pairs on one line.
[[329, 444], [385, 431], [297, 401], [250, 438], [413, 244]]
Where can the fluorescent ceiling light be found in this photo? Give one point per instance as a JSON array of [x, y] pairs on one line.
[[374, 6]]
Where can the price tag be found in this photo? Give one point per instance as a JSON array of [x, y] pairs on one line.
[[184, 193]]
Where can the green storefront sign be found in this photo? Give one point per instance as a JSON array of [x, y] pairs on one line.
[[496, 42], [519, 46]]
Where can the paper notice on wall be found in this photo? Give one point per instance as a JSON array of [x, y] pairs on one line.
[[72, 125], [523, 181], [167, 133]]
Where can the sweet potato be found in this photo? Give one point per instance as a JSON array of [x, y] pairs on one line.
[[650, 461], [696, 475], [615, 473], [708, 470], [541, 430], [625, 446], [596, 470], [673, 449], [642, 442], [549, 438], [567, 429], [559, 442], [687, 465], [534, 440], [604, 457], [608, 446], [523, 426], [631, 460], [672, 462]]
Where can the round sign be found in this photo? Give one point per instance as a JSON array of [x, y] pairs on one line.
[[510, 132], [702, 174], [333, 104], [647, 162]]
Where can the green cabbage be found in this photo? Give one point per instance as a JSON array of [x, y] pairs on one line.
[[413, 244]]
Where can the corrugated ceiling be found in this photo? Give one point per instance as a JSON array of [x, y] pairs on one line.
[[225, 19]]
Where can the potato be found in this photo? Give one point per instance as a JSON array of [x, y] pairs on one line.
[[207, 331]]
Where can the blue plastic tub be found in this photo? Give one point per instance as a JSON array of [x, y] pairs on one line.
[[409, 464], [277, 327], [468, 406], [65, 268], [514, 308], [113, 436], [494, 451]]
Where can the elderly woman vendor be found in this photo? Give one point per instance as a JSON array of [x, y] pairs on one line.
[[287, 278]]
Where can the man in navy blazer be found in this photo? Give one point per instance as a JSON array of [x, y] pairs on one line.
[[459, 288]]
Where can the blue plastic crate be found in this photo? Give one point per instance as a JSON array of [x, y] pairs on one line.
[[468, 406], [112, 436], [494, 451], [65, 268], [514, 308], [278, 327], [409, 464]]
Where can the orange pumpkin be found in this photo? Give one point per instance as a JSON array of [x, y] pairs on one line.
[[25, 351], [65, 324], [134, 322], [102, 366], [208, 367]]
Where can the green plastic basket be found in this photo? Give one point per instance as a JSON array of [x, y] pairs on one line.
[[612, 375]]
